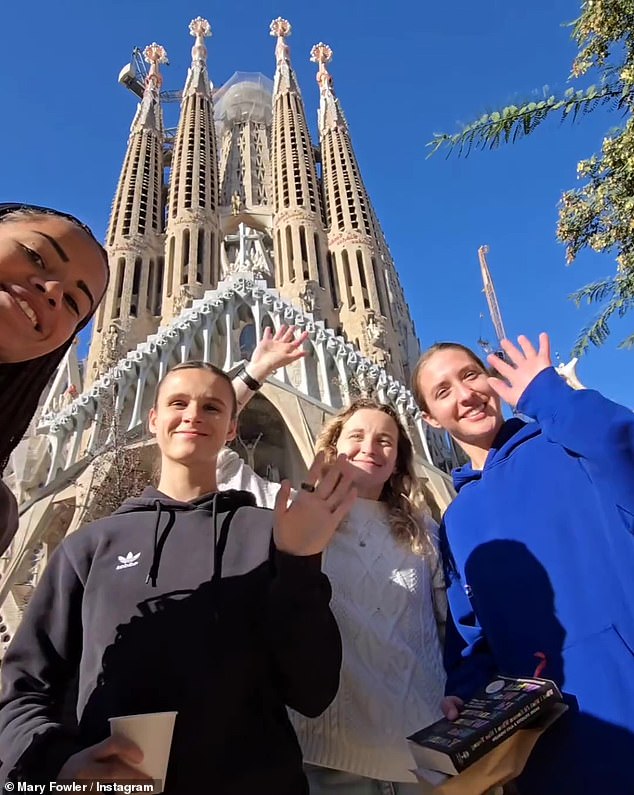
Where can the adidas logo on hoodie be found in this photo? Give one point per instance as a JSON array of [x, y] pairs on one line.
[[127, 561]]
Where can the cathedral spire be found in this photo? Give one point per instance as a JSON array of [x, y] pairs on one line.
[[284, 76], [329, 112], [363, 268], [198, 81], [134, 240], [193, 226], [149, 114], [299, 237]]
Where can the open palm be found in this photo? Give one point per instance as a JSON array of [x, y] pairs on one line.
[[277, 350], [306, 525], [521, 368]]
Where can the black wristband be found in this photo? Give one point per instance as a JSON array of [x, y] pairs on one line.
[[251, 383]]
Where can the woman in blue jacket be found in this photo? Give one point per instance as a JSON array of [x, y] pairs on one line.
[[541, 552]]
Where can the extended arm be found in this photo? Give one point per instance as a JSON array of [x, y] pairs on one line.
[[303, 634], [8, 517], [304, 637], [41, 662], [583, 421], [272, 352], [37, 669]]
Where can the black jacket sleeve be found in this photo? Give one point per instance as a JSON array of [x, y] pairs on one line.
[[37, 670], [304, 638]]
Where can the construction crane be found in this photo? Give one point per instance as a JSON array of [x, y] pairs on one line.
[[566, 371], [492, 301], [133, 76]]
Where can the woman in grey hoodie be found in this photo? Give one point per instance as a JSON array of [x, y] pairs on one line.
[[53, 274]]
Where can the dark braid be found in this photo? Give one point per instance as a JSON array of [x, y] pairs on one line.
[[22, 383]]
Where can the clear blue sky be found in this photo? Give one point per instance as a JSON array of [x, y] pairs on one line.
[[403, 70]]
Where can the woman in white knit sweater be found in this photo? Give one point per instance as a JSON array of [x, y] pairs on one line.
[[388, 599]]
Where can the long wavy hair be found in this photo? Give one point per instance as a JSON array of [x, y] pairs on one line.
[[408, 510], [22, 383]]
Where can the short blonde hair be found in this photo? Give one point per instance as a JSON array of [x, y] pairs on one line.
[[408, 510]]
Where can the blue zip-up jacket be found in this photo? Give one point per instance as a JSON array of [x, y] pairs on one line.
[[541, 560]]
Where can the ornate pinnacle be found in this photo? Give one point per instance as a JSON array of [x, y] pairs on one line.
[[280, 27], [200, 28], [154, 54], [322, 54]]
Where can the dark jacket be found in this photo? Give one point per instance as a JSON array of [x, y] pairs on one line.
[[542, 541], [231, 633], [8, 517]]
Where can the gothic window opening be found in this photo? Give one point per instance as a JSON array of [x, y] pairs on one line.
[[247, 341], [347, 279], [200, 258], [170, 265], [332, 277], [118, 292], [211, 277], [151, 287], [320, 274], [280, 269], [304, 252], [385, 311], [363, 280], [289, 253], [185, 257], [136, 283]]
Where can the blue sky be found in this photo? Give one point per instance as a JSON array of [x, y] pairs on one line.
[[402, 71]]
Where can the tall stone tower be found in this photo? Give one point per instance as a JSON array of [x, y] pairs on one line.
[[193, 225], [251, 236], [135, 241], [301, 251], [367, 279]]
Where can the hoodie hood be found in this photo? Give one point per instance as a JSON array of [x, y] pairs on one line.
[[224, 502], [513, 433]]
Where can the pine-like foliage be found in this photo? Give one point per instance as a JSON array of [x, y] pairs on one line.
[[600, 214]]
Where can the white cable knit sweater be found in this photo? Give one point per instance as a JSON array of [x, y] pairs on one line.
[[392, 678]]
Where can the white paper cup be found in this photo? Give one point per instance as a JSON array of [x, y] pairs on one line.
[[152, 733]]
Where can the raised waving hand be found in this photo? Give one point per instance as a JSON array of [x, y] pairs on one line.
[[276, 350], [306, 525], [524, 364]]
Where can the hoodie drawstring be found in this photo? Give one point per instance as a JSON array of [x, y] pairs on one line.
[[156, 555], [220, 542]]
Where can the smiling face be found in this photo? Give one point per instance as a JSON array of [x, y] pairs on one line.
[[369, 439], [193, 417], [457, 397], [52, 275]]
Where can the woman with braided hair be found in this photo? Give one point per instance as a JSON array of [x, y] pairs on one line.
[[53, 274]]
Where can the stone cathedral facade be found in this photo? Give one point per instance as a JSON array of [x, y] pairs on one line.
[[234, 222]]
